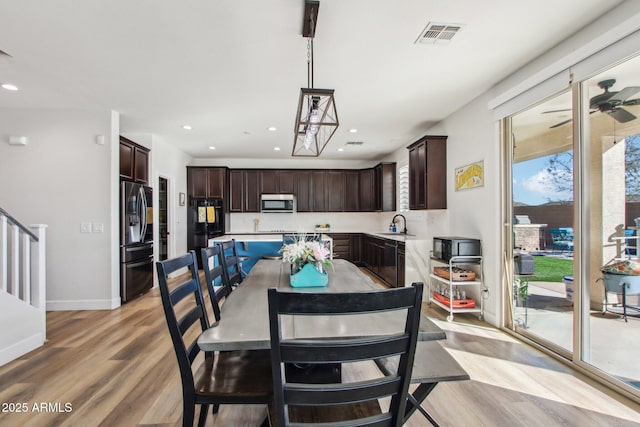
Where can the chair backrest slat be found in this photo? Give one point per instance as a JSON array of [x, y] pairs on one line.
[[186, 352], [217, 281], [230, 262], [325, 350]]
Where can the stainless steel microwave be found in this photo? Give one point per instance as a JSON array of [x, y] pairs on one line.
[[446, 248], [278, 203]]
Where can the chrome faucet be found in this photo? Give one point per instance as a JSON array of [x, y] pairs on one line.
[[405, 222]]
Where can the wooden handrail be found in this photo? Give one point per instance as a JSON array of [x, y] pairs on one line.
[[22, 228]]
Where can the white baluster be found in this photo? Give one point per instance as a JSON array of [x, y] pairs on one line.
[[14, 284], [26, 268], [4, 259]]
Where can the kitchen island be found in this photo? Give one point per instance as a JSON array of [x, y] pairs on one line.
[[257, 245]]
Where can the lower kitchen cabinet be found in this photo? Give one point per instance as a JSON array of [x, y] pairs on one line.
[[341, 246], [385, 258]]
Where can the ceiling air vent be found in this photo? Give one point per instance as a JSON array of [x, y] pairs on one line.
[[438, 33], [356, 143]]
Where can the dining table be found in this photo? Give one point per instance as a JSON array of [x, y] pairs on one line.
[[244, 324]]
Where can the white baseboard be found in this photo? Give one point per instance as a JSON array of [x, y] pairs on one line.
[[75, 305], [21, 348]]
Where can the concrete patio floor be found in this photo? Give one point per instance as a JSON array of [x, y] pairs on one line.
[[615, 344]]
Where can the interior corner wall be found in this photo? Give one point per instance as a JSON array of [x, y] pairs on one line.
[[170, 162], [62, 178], [473, 136]]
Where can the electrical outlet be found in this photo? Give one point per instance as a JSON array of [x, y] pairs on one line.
[[85, 227], [98, 227]]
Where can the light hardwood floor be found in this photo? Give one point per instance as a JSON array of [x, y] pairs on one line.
[[117, 368]]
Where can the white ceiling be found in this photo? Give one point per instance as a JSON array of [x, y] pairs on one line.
[[231, 69]]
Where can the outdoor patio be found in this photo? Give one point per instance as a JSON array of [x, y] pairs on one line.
[[615, 343]]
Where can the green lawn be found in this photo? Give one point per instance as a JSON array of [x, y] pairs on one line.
[[550, 269]]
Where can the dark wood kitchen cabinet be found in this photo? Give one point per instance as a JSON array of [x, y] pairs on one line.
[[389, 263], [385, 187], [351, 191], [319, 190], [303, 191], [273, 181], [428, 173], [206, 182], [341, 245], [335, 191], [401, 265], [244, 193], [134, 161], [367, 190]]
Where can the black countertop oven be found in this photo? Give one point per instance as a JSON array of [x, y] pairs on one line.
[[445, 248]]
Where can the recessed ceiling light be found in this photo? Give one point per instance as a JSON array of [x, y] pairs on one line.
[[8, 86], [212, 148], [186, 127], [276, 148], [340, 149], [272, 128], [353, 130]]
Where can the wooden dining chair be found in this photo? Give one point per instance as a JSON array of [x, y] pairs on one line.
[[217, 282], [231, 262], [343, 403], [242, 377]]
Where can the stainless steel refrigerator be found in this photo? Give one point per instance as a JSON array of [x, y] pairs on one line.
[[136, 240]]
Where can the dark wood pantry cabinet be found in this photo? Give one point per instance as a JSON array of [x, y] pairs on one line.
[[428, 173]]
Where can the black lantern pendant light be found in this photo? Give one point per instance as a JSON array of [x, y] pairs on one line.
[[317, 118]]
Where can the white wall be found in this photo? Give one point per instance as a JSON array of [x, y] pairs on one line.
[[169, 162], [63, 178]]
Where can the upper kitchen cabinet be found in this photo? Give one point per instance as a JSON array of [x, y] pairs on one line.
[[244, 194], [351, 191], [304, 202], [378, 188], [367, 190], [385, 187], [319, 190], [206, 182], [428, 173], [335, 185], [134, 161], [277, 181]]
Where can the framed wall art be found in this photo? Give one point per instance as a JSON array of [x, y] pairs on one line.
[[470, 176]]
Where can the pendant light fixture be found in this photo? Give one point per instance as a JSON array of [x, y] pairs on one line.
[[317, 118]]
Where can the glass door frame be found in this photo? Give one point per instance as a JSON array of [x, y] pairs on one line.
[[508, 239], [581, 219]]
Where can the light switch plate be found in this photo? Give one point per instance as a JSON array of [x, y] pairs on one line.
[[85, 227], [98, 227]]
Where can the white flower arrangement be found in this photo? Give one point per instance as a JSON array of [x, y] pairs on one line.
[[303, 252]]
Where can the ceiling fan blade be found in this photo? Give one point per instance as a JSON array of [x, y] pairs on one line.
[[621, 115], [560, 124], [556, 111], [632, 102], [625, 93]]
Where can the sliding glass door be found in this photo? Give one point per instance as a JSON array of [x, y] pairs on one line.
[[541, 201], [611, 340], [572, 180]]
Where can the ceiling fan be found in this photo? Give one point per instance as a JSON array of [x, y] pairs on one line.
[[609, 102]]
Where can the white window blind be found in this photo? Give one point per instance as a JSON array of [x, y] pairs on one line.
[[403, 188]]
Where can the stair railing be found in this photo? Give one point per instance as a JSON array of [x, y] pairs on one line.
[[23, 261]]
